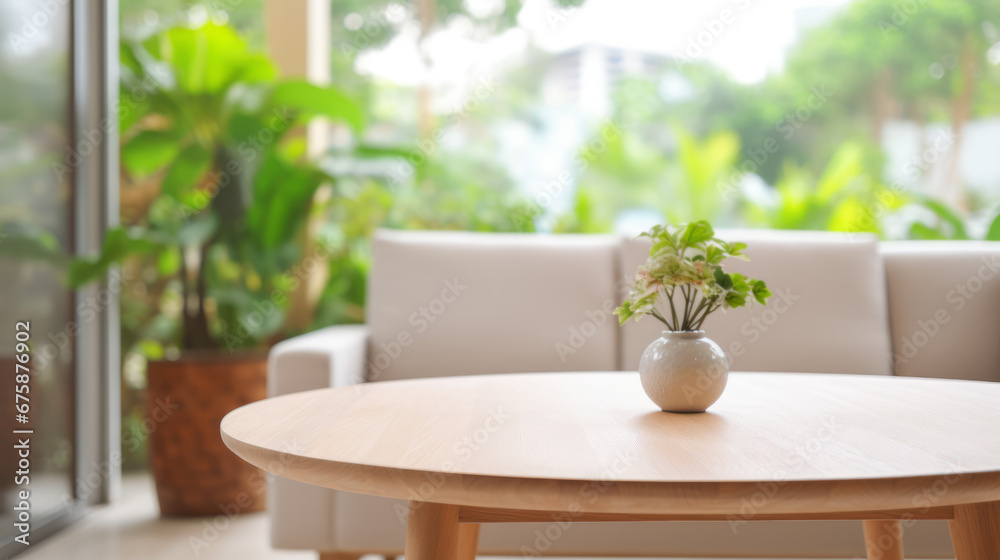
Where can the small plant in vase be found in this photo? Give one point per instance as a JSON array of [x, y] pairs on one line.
[[683, 370]]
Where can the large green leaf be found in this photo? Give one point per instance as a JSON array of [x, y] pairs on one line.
[[724, 280], [701, 164], [243, 131], [128, 59], [714, 254], [298, 96], [187, 170], [696, 233], [922, 232], [736, 248], [736, 299], [740, 283], [282, 194], [843, 168], [949, 216], [257, 68], [760, 291], [994, 232], [149, 151], [130, 114], [137, 87], [206, 59]]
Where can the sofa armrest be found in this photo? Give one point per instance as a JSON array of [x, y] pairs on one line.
[[302, 514], [330, 357]]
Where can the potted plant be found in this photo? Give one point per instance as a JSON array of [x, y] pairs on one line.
[[217, 198], [683, 370]]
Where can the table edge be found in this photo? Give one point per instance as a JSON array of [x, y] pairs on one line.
[[744, 499]]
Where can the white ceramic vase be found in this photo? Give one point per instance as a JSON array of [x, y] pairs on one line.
[[684, 371]]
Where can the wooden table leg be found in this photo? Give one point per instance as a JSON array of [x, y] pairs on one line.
[[468, 541], [975, 531], [431, 532], [884, 540]]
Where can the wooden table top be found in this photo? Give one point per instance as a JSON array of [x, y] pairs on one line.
[[783, 443]]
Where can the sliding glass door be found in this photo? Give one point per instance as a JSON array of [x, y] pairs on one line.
[[53, 343]]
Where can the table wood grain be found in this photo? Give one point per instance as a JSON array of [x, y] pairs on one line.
[[789, 445]]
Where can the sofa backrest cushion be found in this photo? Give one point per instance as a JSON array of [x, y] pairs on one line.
[[457, 303], [944, 304], [828, 313]]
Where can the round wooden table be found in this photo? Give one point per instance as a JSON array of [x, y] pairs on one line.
[[523, 447]]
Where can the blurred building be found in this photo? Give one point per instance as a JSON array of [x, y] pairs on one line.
[[918, 157], [810, 17], [585, 76]]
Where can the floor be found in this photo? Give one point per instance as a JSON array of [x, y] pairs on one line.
[[132, 530]]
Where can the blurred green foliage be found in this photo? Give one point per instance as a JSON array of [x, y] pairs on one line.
[[204, 121], [842, 198], [800, 149]]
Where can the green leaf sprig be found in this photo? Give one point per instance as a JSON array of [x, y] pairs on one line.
[[687, 258]]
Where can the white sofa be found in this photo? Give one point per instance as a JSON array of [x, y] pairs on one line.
[[445, 303]]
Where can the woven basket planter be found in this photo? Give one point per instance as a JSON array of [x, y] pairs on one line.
[[195, 473]]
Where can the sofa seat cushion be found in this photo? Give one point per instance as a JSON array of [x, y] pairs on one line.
[[455, 303], [828, 313]]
